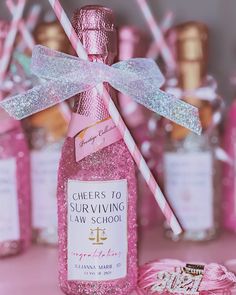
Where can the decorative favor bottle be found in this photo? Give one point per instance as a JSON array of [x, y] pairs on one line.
[[134, 43], [15, 209], [46, 131], [191, 170], [15, 221], [229, 172], [97, 183]]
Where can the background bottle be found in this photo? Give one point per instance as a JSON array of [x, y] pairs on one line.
[[46, 132], [15, 221], [229, 175], [133, 42], [103, 179], [191, 169]]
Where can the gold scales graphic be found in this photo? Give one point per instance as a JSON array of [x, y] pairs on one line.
[[98, 235]]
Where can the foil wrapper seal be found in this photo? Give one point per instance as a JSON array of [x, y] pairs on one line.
[[192, 41], [52, 35], [96, 30], [192, 53], [95, 26], [133, 42]]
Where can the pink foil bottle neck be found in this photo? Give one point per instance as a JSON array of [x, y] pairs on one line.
[[133, 42], [95, 28], [6, 122]]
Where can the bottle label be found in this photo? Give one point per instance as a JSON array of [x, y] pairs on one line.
[[91, 136], [97, 230], [189, 187], [9, 214], [44, 187]]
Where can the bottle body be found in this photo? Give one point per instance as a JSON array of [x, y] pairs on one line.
[[15, 215], [192, 175], [46, 131], [191, 170], [229, 180], [111, 164]]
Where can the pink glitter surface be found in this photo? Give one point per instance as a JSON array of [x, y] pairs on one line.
[[13, 145], [111, 163], [229, 180]]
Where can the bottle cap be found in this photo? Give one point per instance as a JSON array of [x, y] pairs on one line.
[[192, 41], [191, 54], [133, 42], [95, 26], [52, 35]]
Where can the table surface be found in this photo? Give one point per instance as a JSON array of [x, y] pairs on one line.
[[35, 272]]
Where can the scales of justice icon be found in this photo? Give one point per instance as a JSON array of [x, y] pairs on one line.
[[98, 235]]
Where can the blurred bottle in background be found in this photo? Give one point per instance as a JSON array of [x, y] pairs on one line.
[[133, 43], [15, 210], [191, 170], [46, 131], [229, 176]]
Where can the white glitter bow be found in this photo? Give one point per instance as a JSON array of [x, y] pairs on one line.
[[66, 76]]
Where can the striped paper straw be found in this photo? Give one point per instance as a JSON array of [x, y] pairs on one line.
[[31, 23], [165, 25], [9, 42], [157, 34], [26, 35], [33, 17], [116, 117]]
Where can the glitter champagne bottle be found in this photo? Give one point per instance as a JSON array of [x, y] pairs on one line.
[[46, 132], [97, 183], [133, 42], [191, 169], [15, 221]]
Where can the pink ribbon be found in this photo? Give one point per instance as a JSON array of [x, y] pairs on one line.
[[66, 76]]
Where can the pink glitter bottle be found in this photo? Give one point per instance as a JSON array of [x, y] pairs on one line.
[[133, 42], [97, 194], [229, 179], [15, 221], [46, 132]]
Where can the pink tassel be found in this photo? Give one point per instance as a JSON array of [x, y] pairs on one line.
[[215, 277]]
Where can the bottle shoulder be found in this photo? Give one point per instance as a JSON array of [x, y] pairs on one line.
[[113, 162]]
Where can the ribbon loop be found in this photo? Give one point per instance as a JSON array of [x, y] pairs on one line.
[[65, 76]]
